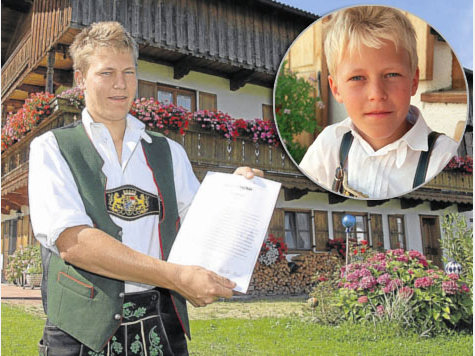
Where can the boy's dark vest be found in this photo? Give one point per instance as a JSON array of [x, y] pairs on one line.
[[86, 305]]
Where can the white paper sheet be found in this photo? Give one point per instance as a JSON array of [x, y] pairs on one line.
[[225, 226]]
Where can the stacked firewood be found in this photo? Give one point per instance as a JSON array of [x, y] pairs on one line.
[[290, 278]]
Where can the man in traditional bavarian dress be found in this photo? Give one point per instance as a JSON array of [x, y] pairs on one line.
[[106, 199]]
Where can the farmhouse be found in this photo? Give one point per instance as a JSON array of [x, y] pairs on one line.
[[218, 55]]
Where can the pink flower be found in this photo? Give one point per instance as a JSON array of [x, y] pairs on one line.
[[384, 279], [423, 282], [406, 292], [464, 288], [380, 309], [397, 252], [392, 285], [423, 262], [402, 258], [415, 254], [363, 299], [367, 282], [453, 276], [450, 287], [410, 271]]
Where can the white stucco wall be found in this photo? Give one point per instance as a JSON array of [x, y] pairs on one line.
[[440, 117], [244, 103], [412, 226]]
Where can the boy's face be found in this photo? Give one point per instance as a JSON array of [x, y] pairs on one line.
[[110, 83], [376, 85]]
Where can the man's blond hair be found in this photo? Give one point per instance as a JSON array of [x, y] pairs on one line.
[[108, 34], [349, 29]]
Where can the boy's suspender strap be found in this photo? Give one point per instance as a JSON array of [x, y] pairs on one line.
[[424, 158], [345, 145]]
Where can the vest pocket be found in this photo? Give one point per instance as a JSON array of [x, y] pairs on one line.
[[75, 285]]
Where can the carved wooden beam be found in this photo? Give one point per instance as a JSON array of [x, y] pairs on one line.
[[239, 79], [14, 198], [60, 76], [371, 203], [462, 207], [31, 88], [410, 203], [182, 67], [438, 205], [335, 198]]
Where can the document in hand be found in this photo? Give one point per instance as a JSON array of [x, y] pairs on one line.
[[225, 226]]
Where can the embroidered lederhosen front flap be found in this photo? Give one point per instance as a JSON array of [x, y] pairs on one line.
[[129, 203]]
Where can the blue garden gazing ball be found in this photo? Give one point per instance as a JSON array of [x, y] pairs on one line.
[[453, 267], [348, 221]]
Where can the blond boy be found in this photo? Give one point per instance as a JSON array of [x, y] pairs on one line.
[[372, 60]]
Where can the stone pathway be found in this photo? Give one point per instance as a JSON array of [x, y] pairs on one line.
[[19, 295]]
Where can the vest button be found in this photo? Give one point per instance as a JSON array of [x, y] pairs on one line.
[[117, 316], [121, 295], [120, 233]]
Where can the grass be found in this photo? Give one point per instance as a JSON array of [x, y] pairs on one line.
[[21, 331], [258, 328]]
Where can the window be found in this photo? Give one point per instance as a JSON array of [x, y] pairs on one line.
[[180, 97], [267, 112], [397, 235], [167, 94], [298, 234], [208, 101], [359, 231]]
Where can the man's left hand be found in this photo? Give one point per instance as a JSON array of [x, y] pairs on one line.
[[248, 172]]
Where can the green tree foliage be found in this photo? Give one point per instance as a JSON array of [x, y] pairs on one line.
[[295, 110]]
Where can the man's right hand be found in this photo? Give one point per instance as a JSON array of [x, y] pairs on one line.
[[201, 286]]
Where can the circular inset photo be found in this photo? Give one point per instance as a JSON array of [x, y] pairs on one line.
[[370, 102]]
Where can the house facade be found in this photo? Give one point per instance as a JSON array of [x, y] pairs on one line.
[[214, 55]]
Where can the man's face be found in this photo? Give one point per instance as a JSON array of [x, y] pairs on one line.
[[376, 86], [110, 84]]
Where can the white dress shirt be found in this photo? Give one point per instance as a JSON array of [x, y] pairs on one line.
[[55, 203], [381, 174]]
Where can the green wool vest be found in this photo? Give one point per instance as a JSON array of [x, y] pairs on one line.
[[86, 305]]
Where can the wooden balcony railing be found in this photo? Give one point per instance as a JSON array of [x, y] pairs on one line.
[[50, 20], [207, 151], [16, 63]]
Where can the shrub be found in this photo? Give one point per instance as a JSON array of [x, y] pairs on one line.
[[273, 250], [325, 309], [26, 259], [457, 244], [403, 287]]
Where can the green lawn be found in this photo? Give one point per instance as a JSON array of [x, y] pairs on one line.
[[268, 335]]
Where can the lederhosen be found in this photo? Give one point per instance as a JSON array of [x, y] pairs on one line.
[[340, 180], [89, 314]]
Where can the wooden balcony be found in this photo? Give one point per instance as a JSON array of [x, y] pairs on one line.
[[208, 151], [16, 65]]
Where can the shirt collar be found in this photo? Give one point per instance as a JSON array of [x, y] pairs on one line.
[[410, 140], [133, 126]]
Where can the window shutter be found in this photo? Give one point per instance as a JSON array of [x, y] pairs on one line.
[[321, 230], [208, 101], [393, 232], [377, 232], [338, 228], [147, 90], [276, 225], [267, 112]]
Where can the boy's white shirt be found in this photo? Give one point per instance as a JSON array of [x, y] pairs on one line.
[[382, 174]]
